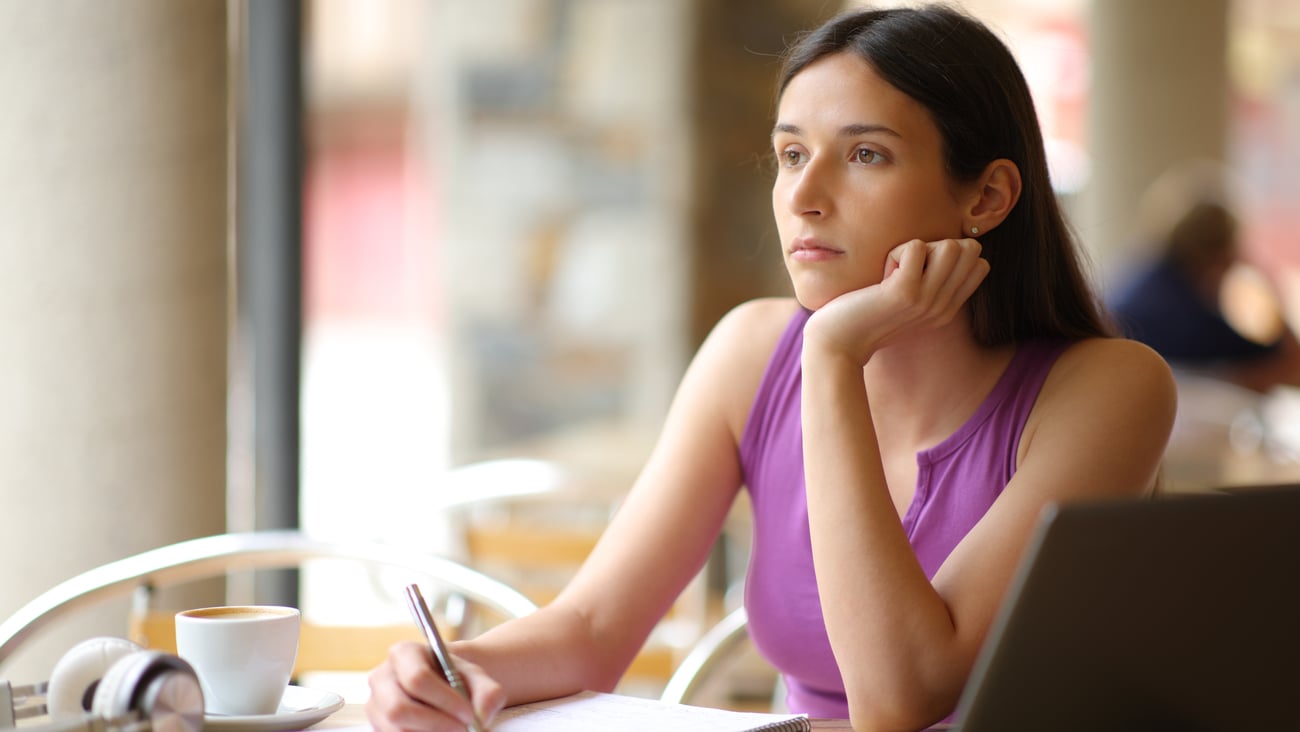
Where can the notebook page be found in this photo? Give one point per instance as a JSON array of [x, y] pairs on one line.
[[618, 713]]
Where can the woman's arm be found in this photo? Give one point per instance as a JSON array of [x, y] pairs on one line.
[[904, 644], [892, 634], [657, 541]]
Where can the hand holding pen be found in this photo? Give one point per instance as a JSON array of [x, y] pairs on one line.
[[441, 657]]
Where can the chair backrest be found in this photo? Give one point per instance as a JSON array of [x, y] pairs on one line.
[[532, 523], [719, 653], [321, 648]]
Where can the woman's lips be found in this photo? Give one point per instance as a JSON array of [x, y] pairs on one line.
[[812, 250]]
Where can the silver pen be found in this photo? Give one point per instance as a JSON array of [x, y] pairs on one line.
[[441, 656]]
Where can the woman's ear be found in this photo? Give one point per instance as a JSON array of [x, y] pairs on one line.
[[995, 194]]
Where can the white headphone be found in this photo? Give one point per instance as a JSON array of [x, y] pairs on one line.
[[109, 684]]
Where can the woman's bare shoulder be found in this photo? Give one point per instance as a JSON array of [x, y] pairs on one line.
[[756, 324], [1114, 377], [1106, 397], [734, 357], [1117, 363]]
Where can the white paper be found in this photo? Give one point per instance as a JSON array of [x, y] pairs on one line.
[[618, 713]]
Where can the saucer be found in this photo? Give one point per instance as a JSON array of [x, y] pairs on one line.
[[299, 708]]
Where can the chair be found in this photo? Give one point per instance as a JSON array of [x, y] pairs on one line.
[[532, 522], [321, 648], [719, 658]]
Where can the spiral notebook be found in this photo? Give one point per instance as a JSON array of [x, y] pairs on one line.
[[619, 713]]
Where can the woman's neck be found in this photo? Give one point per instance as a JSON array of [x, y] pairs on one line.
[[926, 387]]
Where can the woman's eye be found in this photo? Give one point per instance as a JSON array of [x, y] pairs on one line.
[[866, 156], [790, 158]]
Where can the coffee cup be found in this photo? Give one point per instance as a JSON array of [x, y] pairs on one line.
[[243, 654]]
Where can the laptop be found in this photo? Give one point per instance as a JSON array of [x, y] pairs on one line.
[[1176, 613]]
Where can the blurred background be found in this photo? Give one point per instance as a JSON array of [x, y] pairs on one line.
[[427, 271]]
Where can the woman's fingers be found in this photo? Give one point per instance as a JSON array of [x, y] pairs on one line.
[[391, 709], [908, 257], [932, 277], [941, 260], [948, 272], [407, 693], [925, 285], [974, 277], [488, 695]]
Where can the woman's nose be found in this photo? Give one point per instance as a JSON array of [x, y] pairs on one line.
[[809, 193]]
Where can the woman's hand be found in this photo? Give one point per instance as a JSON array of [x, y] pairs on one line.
[[925, 285], [408, 693]]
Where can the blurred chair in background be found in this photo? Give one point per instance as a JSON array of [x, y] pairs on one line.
[[723, 670], [474, 599], [523, 528], [532, 522]]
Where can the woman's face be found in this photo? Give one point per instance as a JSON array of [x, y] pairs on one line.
[[860, 170]]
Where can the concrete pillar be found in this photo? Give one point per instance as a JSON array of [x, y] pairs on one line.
[[1159, 97], [113, 308]]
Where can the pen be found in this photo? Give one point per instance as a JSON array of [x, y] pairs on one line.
[[424, 619]]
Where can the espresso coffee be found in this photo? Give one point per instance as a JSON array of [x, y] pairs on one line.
[[234, 613]]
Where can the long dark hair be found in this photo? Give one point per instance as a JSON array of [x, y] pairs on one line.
[[969, 81]]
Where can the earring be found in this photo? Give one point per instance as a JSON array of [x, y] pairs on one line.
[[974, 229]]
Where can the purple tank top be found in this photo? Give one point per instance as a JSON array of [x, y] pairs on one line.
[[957, 481]]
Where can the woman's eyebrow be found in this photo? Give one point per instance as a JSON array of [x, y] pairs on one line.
[[866, 129], [788, 129], [852, 130]]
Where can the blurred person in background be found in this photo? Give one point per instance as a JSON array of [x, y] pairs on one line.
[[1196, 301]]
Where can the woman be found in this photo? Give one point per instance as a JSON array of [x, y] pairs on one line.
[[941, 374]]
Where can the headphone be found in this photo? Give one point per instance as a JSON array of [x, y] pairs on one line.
[[109, 685]]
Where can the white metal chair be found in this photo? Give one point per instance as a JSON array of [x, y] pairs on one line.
[[533, 522], [321, 647], [723, 660], [713, 647]]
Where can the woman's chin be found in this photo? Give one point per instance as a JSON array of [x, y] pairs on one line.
[[813, 298], [813, 289], [813, 304]]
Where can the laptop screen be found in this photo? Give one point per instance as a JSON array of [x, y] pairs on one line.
[[1179, 612]]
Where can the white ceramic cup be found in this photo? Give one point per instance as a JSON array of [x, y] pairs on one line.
[[243, 655]]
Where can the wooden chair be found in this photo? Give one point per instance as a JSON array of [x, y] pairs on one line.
[[321, 648]]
